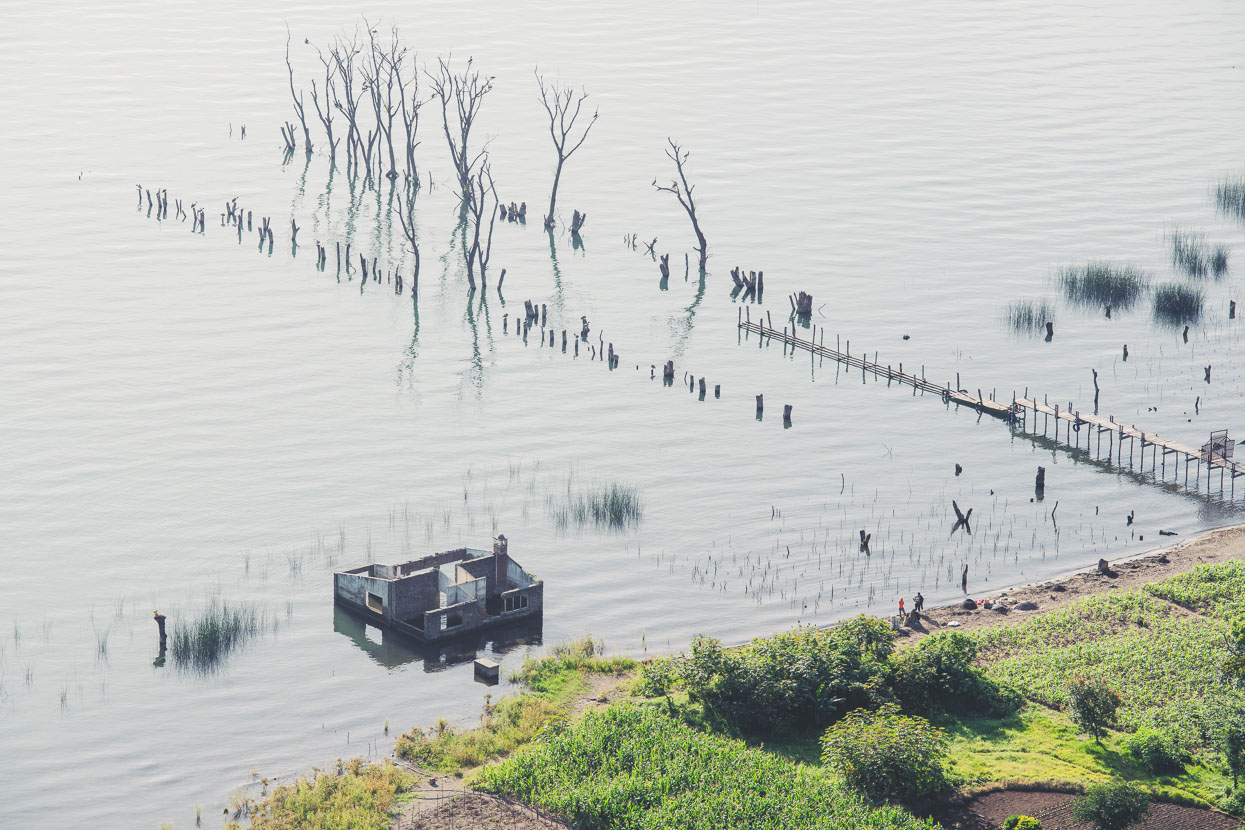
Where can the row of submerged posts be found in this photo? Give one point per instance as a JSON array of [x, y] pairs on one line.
[[1081, 432], [536, 316], [234, 216]]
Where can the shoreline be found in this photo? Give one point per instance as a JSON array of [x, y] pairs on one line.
[[1210, 547]]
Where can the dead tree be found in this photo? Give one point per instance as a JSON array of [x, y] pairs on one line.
[[406, 215], [299, 109], [344, 54], [325, 112], [380, 74], [683, 192], [481, 195], [465, 91], [410, 118], [563, 105]]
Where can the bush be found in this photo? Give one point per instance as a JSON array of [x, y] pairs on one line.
[[886, 754], [1022, 823], [788, 681], [1113, 806], [938, 674], [1092, 705], [1155, 751]]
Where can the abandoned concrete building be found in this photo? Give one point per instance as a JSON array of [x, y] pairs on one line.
[[427, 599]]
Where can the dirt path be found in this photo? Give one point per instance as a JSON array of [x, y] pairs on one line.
[[1209, 548]]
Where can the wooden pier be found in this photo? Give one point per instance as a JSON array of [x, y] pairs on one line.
[[1081, 431]]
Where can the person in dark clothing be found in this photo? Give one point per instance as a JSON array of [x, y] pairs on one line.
[[918, 602]]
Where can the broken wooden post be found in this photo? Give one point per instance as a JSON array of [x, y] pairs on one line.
[[664, 266], [786, 414], [544, 314], [717, 390], [702, 389], [164, 637], [1231, 309], [1039, 485], [1207, 370], [1185, 334], [500, 280], [1050, 331], [760, 404]]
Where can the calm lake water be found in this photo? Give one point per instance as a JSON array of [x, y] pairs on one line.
[[184, 417]]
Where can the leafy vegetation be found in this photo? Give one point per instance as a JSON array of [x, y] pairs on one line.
[[1113, 806], [1103, 284], [1213, 590], [886, 755], [1156, 752], [633, 766], [1022, 823], [806, 678], [552, 683], [1092, 705], [357, 796], [1164, 666]]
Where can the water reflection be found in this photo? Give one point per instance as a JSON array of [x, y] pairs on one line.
[[392, 649]]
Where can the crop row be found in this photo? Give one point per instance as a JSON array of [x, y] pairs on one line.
[[632, 767]]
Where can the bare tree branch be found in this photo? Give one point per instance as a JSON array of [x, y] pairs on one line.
[[299, 109], [683, 192], [466, 90], [563, 106]]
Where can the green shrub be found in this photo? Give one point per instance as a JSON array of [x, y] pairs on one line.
[[788, 681], [1022, 823], [1112, 806], [359, 796], [938, 674], [1092, 705], [886, 754], [657, 678], [1155, 751]]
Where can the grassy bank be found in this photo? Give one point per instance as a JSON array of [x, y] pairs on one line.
[[551, 686], [355, 796], [734, 737]]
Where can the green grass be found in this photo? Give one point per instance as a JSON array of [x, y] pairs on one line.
[[1165, 667], [1193, 255], [1039, 747], [1175, 303], [1103, 284], [552, 684], [631, 766], [615, 506], [1029, 316], [203, 642], [1230, 196], [357, 796]]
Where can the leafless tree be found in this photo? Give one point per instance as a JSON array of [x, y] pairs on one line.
[[385, 73], [481, 207], [406, 215], [563, 105], [410, 120], [683, 192], [464, 92], [344, 53], [299, 109], [325, 112]]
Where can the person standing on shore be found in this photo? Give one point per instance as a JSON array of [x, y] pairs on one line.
[[901, 611], [918, 602]]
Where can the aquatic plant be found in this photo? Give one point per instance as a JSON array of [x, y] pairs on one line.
[[1029, 316], [1192, 254], [1230, 196], [203, 642], [614, 505], [1101, 283], [1175, 303]]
